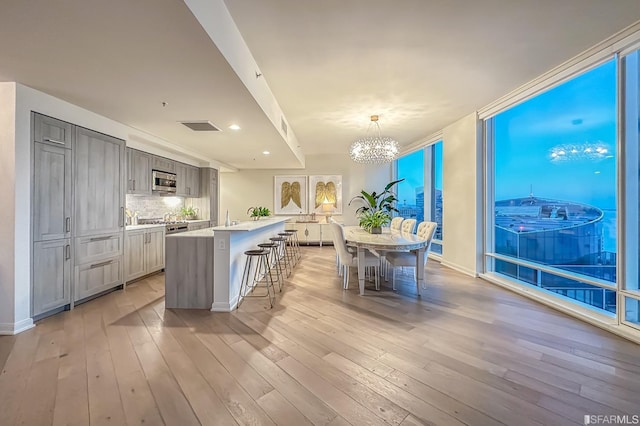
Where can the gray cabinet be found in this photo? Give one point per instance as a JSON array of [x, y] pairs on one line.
[[134, 244], [188, 180], [51, 192], [78, 189], [193, 181], [95, 277], [51, 275], [144, 252], [181, 179], [138, 172], [154, 250], [98, 183], [163, 164], [51, 131]]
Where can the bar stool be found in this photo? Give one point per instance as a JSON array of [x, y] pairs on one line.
[[273, 261], [282, 253], [260, 270], [295, 242], [289, 248]]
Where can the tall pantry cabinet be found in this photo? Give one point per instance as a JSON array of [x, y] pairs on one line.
[[78, 213]]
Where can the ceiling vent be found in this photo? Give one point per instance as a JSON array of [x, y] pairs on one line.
[[200, 126], [283, 125]]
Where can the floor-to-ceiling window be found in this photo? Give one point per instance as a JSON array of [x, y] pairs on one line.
[[420, 194], [411, 190], [554, 189], [631, 224], [436, 196]]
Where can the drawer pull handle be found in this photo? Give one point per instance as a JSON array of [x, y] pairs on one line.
[[68, 225], [108, 237], [97, 265], [67, 252], [54, 141]]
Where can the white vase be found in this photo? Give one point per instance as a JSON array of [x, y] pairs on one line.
[[227, 221]]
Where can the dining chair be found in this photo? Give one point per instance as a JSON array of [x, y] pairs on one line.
[[401, 259], [396, 223], [408, 226], [339, 268], [348, 258]]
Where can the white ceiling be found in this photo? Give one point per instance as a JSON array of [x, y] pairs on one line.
[[420, 64]]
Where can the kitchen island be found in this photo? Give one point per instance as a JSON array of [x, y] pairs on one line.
[[203, 268]]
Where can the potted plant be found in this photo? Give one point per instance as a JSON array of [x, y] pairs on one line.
[[258, 212], [373, 220], [189, 213], [377, 208]]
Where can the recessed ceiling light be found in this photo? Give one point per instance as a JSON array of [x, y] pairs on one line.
[[266, 152], [234, 127]]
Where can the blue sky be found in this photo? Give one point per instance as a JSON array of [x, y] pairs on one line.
[[578, 114]]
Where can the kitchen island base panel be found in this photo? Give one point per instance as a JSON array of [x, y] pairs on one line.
[[189, 272]]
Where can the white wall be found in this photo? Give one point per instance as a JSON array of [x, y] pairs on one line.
[[8, 210], [246, 188], [462, 196]]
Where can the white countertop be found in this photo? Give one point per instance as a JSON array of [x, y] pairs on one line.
[[252, 225], [154, 225], [198, 233], [136, 227]]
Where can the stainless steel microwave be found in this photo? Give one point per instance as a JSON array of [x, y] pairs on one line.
[[163, 182]]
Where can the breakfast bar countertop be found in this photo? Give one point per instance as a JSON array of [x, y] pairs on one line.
[[252, 225], [200, 233]]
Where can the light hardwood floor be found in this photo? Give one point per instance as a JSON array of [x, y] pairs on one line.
[[467, 353]]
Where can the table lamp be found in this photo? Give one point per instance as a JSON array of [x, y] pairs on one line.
[[327, 209]]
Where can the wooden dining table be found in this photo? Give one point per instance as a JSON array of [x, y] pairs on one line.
[[388, 240]]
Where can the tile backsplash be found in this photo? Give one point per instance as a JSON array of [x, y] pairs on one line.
[[154, 207]]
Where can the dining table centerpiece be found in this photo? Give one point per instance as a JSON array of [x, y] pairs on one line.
[[377, 208]]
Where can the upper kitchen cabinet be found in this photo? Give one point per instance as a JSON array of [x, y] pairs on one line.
[[163, 164], [51, 192], [193, 182], [138, 172], [99, 183], [51, 131], [188, 180]]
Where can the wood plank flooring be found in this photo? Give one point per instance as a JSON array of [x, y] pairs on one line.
[[467, 353]]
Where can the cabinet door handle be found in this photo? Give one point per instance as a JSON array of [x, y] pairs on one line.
[[134, 184], [67, 225], [121, 218], [67, 252], [147, 238], [108, 237], [97, 265], [54, 141]]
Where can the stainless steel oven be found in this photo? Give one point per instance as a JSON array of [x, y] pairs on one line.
[[163, 182]]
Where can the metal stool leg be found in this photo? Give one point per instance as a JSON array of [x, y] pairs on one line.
[[273, 261], [260, 271]]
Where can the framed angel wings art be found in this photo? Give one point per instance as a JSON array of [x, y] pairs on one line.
[[325, 189], [290, 195]]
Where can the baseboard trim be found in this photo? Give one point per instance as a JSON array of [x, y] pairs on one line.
[[225, 306], [459, 268], [9, 329]]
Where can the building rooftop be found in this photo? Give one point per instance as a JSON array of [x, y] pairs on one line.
[[532, 214]]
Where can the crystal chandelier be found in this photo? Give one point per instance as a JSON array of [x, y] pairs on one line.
[[374, 149]]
